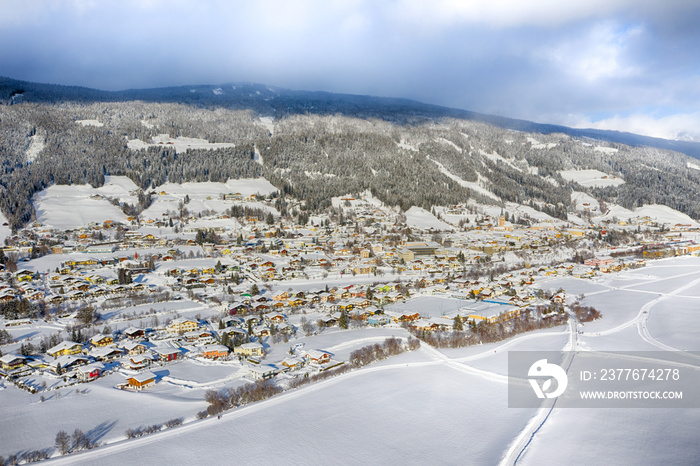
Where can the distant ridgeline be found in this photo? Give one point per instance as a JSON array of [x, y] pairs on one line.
[[315, 145]]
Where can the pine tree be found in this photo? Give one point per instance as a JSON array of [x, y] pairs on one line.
[[343, 321], [457, 326]]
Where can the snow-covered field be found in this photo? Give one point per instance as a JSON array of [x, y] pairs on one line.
[[207, 196], [417, 217], [591, 178], [655, 212], [68, 207], [181, 144]]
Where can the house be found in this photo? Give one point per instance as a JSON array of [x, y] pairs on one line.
[[65, 348], [249, 349], [202, 336], [67, 363], [138, 361], [89, 372], [182, 325], [263, 372], [316, 356], [133, 348], [215, 351], [141, 381], [378, 319], [276, 318], [106, 353], [134, 333], [292, 364], [168, 354], [101, 340], [10, 362]]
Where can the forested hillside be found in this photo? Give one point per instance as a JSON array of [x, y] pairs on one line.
[[312, 146]]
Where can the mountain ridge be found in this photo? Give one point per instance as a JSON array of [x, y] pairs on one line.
[[285, 101]]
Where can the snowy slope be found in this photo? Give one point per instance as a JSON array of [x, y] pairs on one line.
[[417, 217], [67, 207], [591, 178]]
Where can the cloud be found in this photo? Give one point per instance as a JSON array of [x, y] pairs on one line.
[[535, 59], [679, 126]]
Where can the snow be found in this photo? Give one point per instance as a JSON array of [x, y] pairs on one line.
[[268, 122], [417, 217], [535, 144], [591, 178], [90, 123], [365, 200], [657, 213], [395, 409], [217, 91], [467, 184], [181, 144], [207, 196], [620, 436], [5, 230], [449, 143], [425, 407], [119, 187], [405, 145], [68, 207], [606, 150], [584, 202], [493, 156], [36, 145]]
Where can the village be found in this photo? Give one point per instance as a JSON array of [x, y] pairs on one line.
[[257, 295]]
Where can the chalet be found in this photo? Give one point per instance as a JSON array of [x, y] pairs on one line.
[[292, 363], [249, 349], [11, 362], [240, 308], [65, 348], [141, 381], [405, 316], [378, 320], [215, 351], [261, 331], [133, 348], [101, 340], [138, 361], [316, 356], [67, 363], [276, 318], [328, 321], [134, 333], [285, 328], [263, 372], [237, 335], [168, 354], [198, 336], [182, 325], [89, 372], [281, 296], [106, 353]]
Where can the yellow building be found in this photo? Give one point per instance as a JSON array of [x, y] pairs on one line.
[[182, 326]]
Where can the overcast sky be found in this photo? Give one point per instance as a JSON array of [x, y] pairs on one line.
[[630, 65]]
